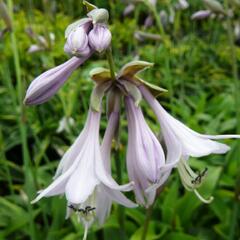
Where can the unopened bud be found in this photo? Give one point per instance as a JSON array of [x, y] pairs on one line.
[[99, 15], [77, 43], [202, 14], [128, 10], [99, 38], [214, 6]]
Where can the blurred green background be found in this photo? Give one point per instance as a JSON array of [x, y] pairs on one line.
[[197, 65]]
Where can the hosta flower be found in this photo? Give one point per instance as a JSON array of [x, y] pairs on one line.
[[202, 14], [47, 84], [182, 142], [84, 176], [145, 156], [128, 9]]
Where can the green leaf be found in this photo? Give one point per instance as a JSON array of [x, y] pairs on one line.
[[180, 236], [169, 204]]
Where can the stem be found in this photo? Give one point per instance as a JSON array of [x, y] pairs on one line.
[[157, 18], [149, 214], [235, 210], [147, 221], [21, 121], [111, 62]]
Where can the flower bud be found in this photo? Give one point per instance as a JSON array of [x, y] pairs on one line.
[[202, 14], [77, 43], [128, 10], [214, 6], [99, 38]]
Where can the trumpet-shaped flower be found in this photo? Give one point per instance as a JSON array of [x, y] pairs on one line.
[[182, 142], [83, 175], [47, 84], [202, 14], [145, 156]]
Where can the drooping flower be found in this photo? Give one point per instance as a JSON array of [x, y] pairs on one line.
[[145, 156], [128, 9], [182, 143], [47, 84], [84, 176], [202, 14]]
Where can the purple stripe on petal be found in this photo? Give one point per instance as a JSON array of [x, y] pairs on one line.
[[47, 84]]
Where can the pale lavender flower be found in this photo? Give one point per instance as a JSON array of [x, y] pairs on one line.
[[148, 22], [100, 37], [35, 48], [128, 9], [202, 14], [47, 84], [145, 156], [77, 43], [182, 142], [84, 176]]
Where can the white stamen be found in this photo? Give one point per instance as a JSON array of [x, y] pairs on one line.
[[201, 198]]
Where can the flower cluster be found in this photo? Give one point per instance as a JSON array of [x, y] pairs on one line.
[[84, 172]]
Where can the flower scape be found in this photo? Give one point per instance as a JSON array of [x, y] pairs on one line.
[[84, 172]]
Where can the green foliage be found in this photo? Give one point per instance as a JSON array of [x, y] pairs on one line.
[[195, 67]]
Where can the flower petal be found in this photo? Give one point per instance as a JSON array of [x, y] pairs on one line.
[[192, 143], [57, 186], [118, 197], [83, 180], [70, 156]]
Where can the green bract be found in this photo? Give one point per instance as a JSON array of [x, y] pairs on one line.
[[127, 80]]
